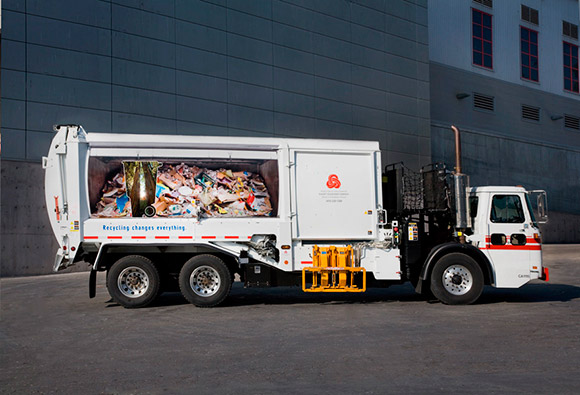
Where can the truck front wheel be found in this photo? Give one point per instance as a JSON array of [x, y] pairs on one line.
[[133, 281], [205, 280], [457, 279]]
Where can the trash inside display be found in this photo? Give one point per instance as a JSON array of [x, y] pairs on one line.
[[182, 191]]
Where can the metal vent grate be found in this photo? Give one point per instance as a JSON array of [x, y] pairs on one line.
[[572, 122], [483, 102], [487, 3], [530, 15], [570, 29], [531, 113]]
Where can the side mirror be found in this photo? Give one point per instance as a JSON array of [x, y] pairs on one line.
[[541, 201]]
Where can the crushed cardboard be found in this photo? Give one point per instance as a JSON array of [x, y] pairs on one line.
[[193, 192]]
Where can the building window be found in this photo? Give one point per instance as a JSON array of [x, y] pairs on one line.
[[482, 39], [570, 30], [529, 53], [530, 15], [570, 67]]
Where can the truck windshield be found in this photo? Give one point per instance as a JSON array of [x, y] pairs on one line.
[[531, 210]]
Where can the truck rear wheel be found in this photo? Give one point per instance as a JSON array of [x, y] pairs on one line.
[[133, 281], [457, 279], [205, 280]]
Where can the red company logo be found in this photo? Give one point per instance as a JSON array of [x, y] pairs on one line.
[[333, 181]]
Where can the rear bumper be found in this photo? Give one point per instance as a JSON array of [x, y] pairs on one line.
[[545, 274]]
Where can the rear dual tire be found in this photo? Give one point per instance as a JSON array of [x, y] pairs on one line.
[[133, 281], [205, 280]]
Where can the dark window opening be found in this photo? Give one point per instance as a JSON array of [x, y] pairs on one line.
[[570, 30], [507, 209], [487, 3], [482, 37], [570, 67], [529, 54], [530, 15], [473, 202]]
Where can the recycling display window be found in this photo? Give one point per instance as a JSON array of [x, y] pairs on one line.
[[120, 188]]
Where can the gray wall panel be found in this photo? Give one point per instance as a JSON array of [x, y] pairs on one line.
[[294, 81], [332, 90], [13, 114], [13, 54], [141, 49], [250, 95], [201, 111], [367, 37], [363, 15], [201, 12], [201, 37], [293, 59], [203, 62], [249, 25], [143, 102], [68, 35], [333, 111], [13, 84], [250, 72], [14, 25], [95, 13], [66, 63], [69, 92], [145, 76], [202, 86], [250, 119], [293, 103], [13, 144], [332, 68], [261, 8], [288, 125], [293, 37], [134, 123], [142, 23], [369, 97], [42, 117], [368, 117], [158, 7], [15, 5], [250, 49], [368, 77]]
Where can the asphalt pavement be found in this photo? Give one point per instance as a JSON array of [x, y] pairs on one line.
[[54, 339]]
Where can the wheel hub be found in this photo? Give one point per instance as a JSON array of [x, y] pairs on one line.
[[133, 282], [457, 280], [205, 281]]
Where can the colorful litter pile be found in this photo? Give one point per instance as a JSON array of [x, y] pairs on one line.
[[192, 192]]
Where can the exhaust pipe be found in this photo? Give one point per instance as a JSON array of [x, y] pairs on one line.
[[461, 182]]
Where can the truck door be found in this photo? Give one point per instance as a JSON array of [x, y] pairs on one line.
[[507, 240]]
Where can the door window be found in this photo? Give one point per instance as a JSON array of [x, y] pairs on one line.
[[507, 209]]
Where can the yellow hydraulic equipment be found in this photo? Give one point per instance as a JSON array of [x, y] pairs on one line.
[[333, 271]]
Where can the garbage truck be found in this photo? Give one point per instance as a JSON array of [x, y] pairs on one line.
[[173, 212]]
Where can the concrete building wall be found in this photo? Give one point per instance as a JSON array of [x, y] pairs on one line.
[[500, 146], [295, 68]]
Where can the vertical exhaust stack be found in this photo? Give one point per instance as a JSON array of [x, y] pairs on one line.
[[461, 183]]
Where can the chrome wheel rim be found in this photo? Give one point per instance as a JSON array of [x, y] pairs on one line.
[[133, 282], [205, 281], [457, 280]]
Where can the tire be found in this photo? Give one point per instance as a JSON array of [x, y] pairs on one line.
[[133, 281], [205, 280], [457, 279]]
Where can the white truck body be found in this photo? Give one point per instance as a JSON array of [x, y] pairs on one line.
[[326, 192]]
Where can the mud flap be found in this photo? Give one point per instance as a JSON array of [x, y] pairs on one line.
[[58, 260], [92, 284]]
